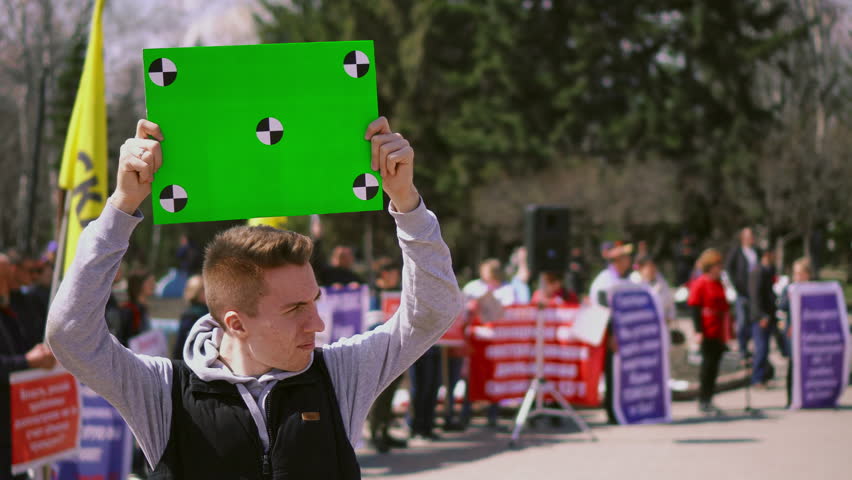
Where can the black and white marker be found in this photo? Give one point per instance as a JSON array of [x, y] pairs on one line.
[[365, 186], [173, 198], [163, 72], [356, 63], [270, 131]]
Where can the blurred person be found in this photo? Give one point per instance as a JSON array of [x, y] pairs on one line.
[[617, 254], [648, 274], [337, 269], [740, 261], [42, 281], [802, 273], [30, 311], [380, 418], [254, 361], [519, 272], [490, 281], [762, 320], [193, 295], [189, 256], [684, 261], [710, 310], [425, 375], [388, 277], [15, 355], [551, 291], [577, 271], [641, 252], [134, 312]]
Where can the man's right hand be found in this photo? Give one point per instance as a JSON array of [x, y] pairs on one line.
[[140, 158], [40, 357]]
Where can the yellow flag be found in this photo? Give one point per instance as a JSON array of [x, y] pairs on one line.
[[84, 162], [276, 222]]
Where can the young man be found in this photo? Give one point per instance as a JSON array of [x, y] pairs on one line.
[[740, 261], [253, 398]]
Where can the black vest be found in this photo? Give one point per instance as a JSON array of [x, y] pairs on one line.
[[213, 435]]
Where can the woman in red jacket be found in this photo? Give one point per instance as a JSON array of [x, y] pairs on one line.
[[710, 312]]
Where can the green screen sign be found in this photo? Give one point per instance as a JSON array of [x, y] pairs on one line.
[[262, 130]]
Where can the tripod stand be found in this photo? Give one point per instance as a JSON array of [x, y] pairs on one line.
[[539, 387]]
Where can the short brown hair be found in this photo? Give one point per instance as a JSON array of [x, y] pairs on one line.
[[234, 264], [708, 259]]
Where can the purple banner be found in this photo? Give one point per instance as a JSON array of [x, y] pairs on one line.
[[820, 345], [345, 308], [105, 443], [641, 364]]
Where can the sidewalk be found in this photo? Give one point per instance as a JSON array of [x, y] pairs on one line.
[[774, 443]]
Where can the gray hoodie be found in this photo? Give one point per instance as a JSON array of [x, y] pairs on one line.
[[139, 386]]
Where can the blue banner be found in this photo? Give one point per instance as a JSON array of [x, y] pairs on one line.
[[821, 350], [641, 363], [346, 308], [105, 443]]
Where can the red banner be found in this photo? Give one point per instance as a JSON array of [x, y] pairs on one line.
[[45, 417], [454, 337], [503, 356]]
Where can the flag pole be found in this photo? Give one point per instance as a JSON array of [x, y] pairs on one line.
[[59, 264]]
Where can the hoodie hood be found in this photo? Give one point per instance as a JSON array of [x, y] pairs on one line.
[[201, 354]]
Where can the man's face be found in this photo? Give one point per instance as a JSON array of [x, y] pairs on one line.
[[800, 274], [648, 271], [390, 278], [621, 264], [282, 333], [747, 237]]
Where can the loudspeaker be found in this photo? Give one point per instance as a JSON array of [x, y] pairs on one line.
[[546, 230]]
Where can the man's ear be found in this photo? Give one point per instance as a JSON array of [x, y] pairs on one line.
[[235, 324]]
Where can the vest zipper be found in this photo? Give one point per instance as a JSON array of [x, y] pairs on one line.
[[267, 465]]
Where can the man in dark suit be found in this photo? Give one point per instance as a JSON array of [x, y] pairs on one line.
[[741, 260], [14, 356], [763, 320]]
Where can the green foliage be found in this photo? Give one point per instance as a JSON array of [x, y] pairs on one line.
[[500, 89]]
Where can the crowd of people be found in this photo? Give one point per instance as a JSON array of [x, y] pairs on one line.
[[746, 322], [753, 318]]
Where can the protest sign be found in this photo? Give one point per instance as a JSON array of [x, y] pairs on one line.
[[390, 301], [252, 120], [453, 337], [641, 391], [343, 310], [821, 344], [503, 356], [106, 444], [152, 343], [44, 416]]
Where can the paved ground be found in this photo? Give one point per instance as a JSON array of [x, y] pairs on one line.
[[773, 444]]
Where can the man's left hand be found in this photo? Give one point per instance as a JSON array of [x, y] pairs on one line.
[[393, 157]]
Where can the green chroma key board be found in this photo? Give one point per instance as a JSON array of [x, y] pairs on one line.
[[262, 130]]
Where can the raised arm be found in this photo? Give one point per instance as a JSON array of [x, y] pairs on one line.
[[362, 366], [138, 386]]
